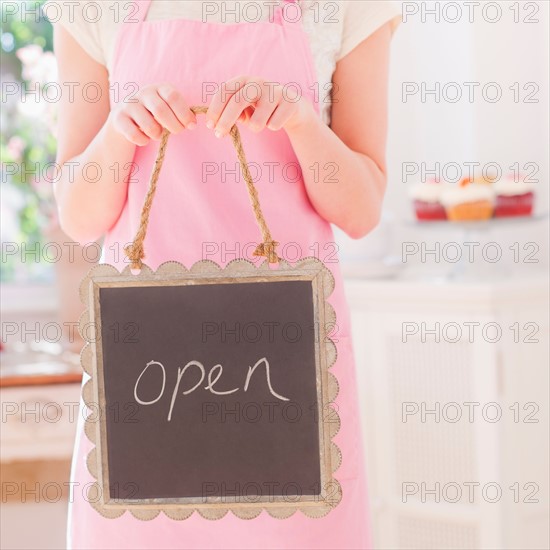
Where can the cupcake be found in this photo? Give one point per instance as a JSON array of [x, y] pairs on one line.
[[513, 198], [426, 201], [469, 201]]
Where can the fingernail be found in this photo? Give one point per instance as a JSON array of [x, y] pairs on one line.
[[209, 124], [191, 126]]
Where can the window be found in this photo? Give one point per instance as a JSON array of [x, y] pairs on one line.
[[27, 143]]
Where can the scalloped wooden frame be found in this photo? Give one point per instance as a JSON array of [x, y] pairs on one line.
[[208, 272]]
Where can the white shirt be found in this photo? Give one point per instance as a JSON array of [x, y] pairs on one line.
[[334, 27]]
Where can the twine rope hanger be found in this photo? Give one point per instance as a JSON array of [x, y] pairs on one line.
[[136, 251]]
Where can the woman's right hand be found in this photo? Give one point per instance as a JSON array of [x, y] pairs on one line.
[[155, 107]]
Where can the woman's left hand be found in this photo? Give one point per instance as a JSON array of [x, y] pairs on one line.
[[258, 104]]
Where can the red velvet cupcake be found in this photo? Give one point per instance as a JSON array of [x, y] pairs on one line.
[[513, 198], [426, 201]]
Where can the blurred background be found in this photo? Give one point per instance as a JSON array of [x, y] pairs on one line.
[[450, 316]]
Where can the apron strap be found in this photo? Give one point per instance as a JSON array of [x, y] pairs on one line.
[[142, 9], [136, 250], [279, 13]]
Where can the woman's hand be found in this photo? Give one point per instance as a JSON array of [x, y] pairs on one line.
[[154, 107], [257, 104]]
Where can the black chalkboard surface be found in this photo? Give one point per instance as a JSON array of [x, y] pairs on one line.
[[214, 390]]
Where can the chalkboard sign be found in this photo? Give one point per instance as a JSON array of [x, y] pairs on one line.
[[213, 389]]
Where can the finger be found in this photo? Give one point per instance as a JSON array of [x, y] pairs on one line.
[[145, 120], [220, 99], [280, 116], [179, 106], [162, 112], [129, 129], [248, 95], [264, 109]]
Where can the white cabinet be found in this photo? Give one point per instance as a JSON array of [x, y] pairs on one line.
[[453, 382], [39, 422], [36, 444]]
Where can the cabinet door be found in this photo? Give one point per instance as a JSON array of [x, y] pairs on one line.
[[39, 422], [428, 388]]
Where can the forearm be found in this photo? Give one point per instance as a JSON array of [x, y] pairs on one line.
[[92, 187], [344, 186]]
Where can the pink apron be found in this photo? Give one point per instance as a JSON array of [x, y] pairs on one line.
[[202, 211]]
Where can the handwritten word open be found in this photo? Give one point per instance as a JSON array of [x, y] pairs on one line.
[[214, 375]]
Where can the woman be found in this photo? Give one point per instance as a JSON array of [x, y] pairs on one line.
[[307, 84]]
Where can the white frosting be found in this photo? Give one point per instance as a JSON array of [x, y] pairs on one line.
[[427, 192], [508, 187], [472, 192]]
